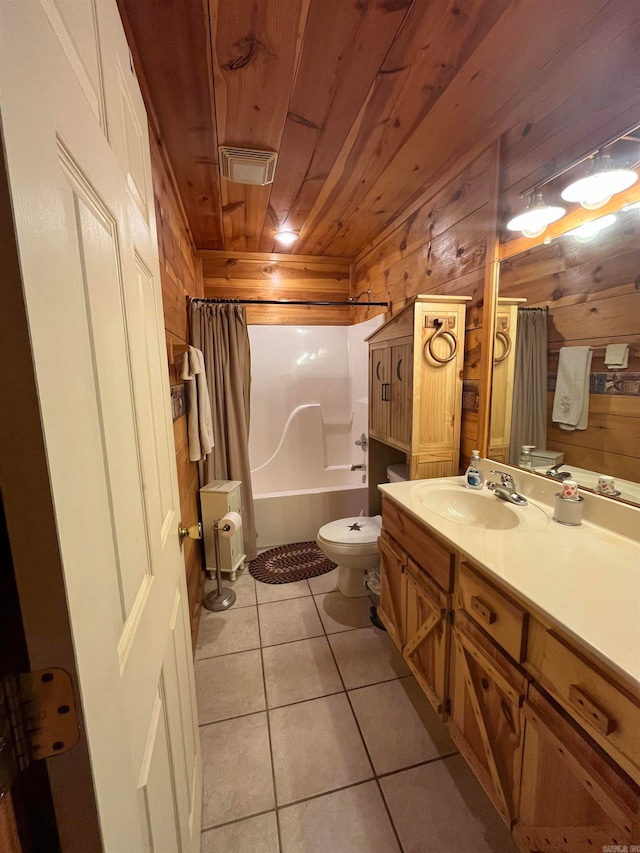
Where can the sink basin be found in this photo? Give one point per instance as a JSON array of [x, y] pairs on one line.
[[479, 509]]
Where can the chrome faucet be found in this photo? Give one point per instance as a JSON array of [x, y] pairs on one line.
[[506, 490], [557, 474], [358, 467], [362, 442]]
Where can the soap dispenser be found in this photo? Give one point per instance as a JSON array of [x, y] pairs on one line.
[[474, 478]]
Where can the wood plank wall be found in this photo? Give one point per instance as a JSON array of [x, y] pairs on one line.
[[440, 248], [592, 291], [254, 275], [181, 277]]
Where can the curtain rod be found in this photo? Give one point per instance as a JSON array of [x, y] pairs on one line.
[[350, 302]]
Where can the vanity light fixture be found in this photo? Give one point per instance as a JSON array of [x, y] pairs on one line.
[[536, 217], [602, 181], [287, 238], [590, 230]]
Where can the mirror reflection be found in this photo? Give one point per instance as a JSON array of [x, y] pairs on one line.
[[566, 383]]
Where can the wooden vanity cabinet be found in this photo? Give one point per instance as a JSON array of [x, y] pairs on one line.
[[552, 737], [393, 589], [426, 648], [485, 722], [573, 797], [413, 606]]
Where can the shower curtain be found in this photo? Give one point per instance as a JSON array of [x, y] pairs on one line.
[[220, 331], [529, 414]]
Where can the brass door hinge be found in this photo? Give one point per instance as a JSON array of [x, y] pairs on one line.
[[37, 720]]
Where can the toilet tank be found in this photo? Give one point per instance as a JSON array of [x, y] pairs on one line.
[[398, 473]]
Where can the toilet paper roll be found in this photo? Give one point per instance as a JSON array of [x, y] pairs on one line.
[[229, 524]]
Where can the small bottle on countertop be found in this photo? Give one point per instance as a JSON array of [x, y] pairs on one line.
[[474, 478]]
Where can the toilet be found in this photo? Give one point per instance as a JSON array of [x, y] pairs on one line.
[[352, 543]]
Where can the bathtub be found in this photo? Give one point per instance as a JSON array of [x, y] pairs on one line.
[[296, 516]]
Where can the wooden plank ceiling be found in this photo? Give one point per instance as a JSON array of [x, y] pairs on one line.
[[367, 102]]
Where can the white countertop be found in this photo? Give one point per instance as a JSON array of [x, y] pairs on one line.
[[585, 579]]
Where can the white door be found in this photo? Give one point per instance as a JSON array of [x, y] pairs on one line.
[[76, 143]]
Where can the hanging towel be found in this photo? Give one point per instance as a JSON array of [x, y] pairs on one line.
[[617, 356], [571, 400], [199, 420]]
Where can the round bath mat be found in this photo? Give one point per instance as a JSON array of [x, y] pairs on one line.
[[289, 563]]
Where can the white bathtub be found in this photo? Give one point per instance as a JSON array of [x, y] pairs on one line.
[[296, 516]]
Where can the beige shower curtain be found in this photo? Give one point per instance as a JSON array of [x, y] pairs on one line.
[[220, 331], [529, 415]]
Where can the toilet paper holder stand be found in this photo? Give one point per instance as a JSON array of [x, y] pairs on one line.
[[220, 598]]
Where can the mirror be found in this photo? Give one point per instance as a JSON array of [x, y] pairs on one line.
[[576, 290]]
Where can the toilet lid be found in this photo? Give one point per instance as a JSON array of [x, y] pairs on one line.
[[359, 530]]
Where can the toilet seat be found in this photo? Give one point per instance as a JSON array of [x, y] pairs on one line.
[[346, 535]]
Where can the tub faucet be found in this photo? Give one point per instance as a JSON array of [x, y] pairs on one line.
[[358, 467], [506, 490], [362, 442]]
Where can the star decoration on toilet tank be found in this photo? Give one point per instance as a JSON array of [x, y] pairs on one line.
[[355, 526]]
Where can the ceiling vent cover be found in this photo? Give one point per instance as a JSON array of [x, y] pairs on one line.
[[245, 166]]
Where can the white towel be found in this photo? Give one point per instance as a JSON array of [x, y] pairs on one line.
[[199, 420], [571, 400], [617, 356]]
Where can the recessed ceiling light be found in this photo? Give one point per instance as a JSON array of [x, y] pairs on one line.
[[287, 238]]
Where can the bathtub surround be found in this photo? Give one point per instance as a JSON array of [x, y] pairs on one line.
[[309, 406], [220, 331]]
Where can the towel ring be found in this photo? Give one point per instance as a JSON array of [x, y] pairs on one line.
[[505, 339], [450, 338]]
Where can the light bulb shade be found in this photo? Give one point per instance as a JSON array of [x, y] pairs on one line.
[[602, 182], [287, 238], [536, 217], [590, 230]]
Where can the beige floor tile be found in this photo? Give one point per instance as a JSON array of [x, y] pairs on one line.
[[316, 748], [267, 592], [350, 821], [324, 583], [236, 769], [301, 670], [283, 621], [230, 631], [366, 656], [253, 835], [229, 685], [339, 613], [416, 734], [244, 587], [440, 806]]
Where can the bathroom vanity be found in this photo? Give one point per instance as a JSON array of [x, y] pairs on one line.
[[525, 637]]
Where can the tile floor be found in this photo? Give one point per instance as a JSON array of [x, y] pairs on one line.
[[317, 739]]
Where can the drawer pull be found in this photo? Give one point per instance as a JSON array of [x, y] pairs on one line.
[[484, 613], [590, 711]]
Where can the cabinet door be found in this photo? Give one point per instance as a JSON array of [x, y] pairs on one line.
[[573, 798], [487, 692], [427, 635], [401, 407], [393, 589], [379, 392]]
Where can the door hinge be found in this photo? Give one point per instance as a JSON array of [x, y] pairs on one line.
[[447, 706], [451, 617], [37, 720]]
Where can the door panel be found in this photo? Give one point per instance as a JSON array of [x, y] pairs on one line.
[[393, 590], [379, 385], [85, 227], [427, 635], [401, 405]]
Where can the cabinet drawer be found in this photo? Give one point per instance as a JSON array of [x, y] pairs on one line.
[[432, 556], [601, 707], [495, 612]]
